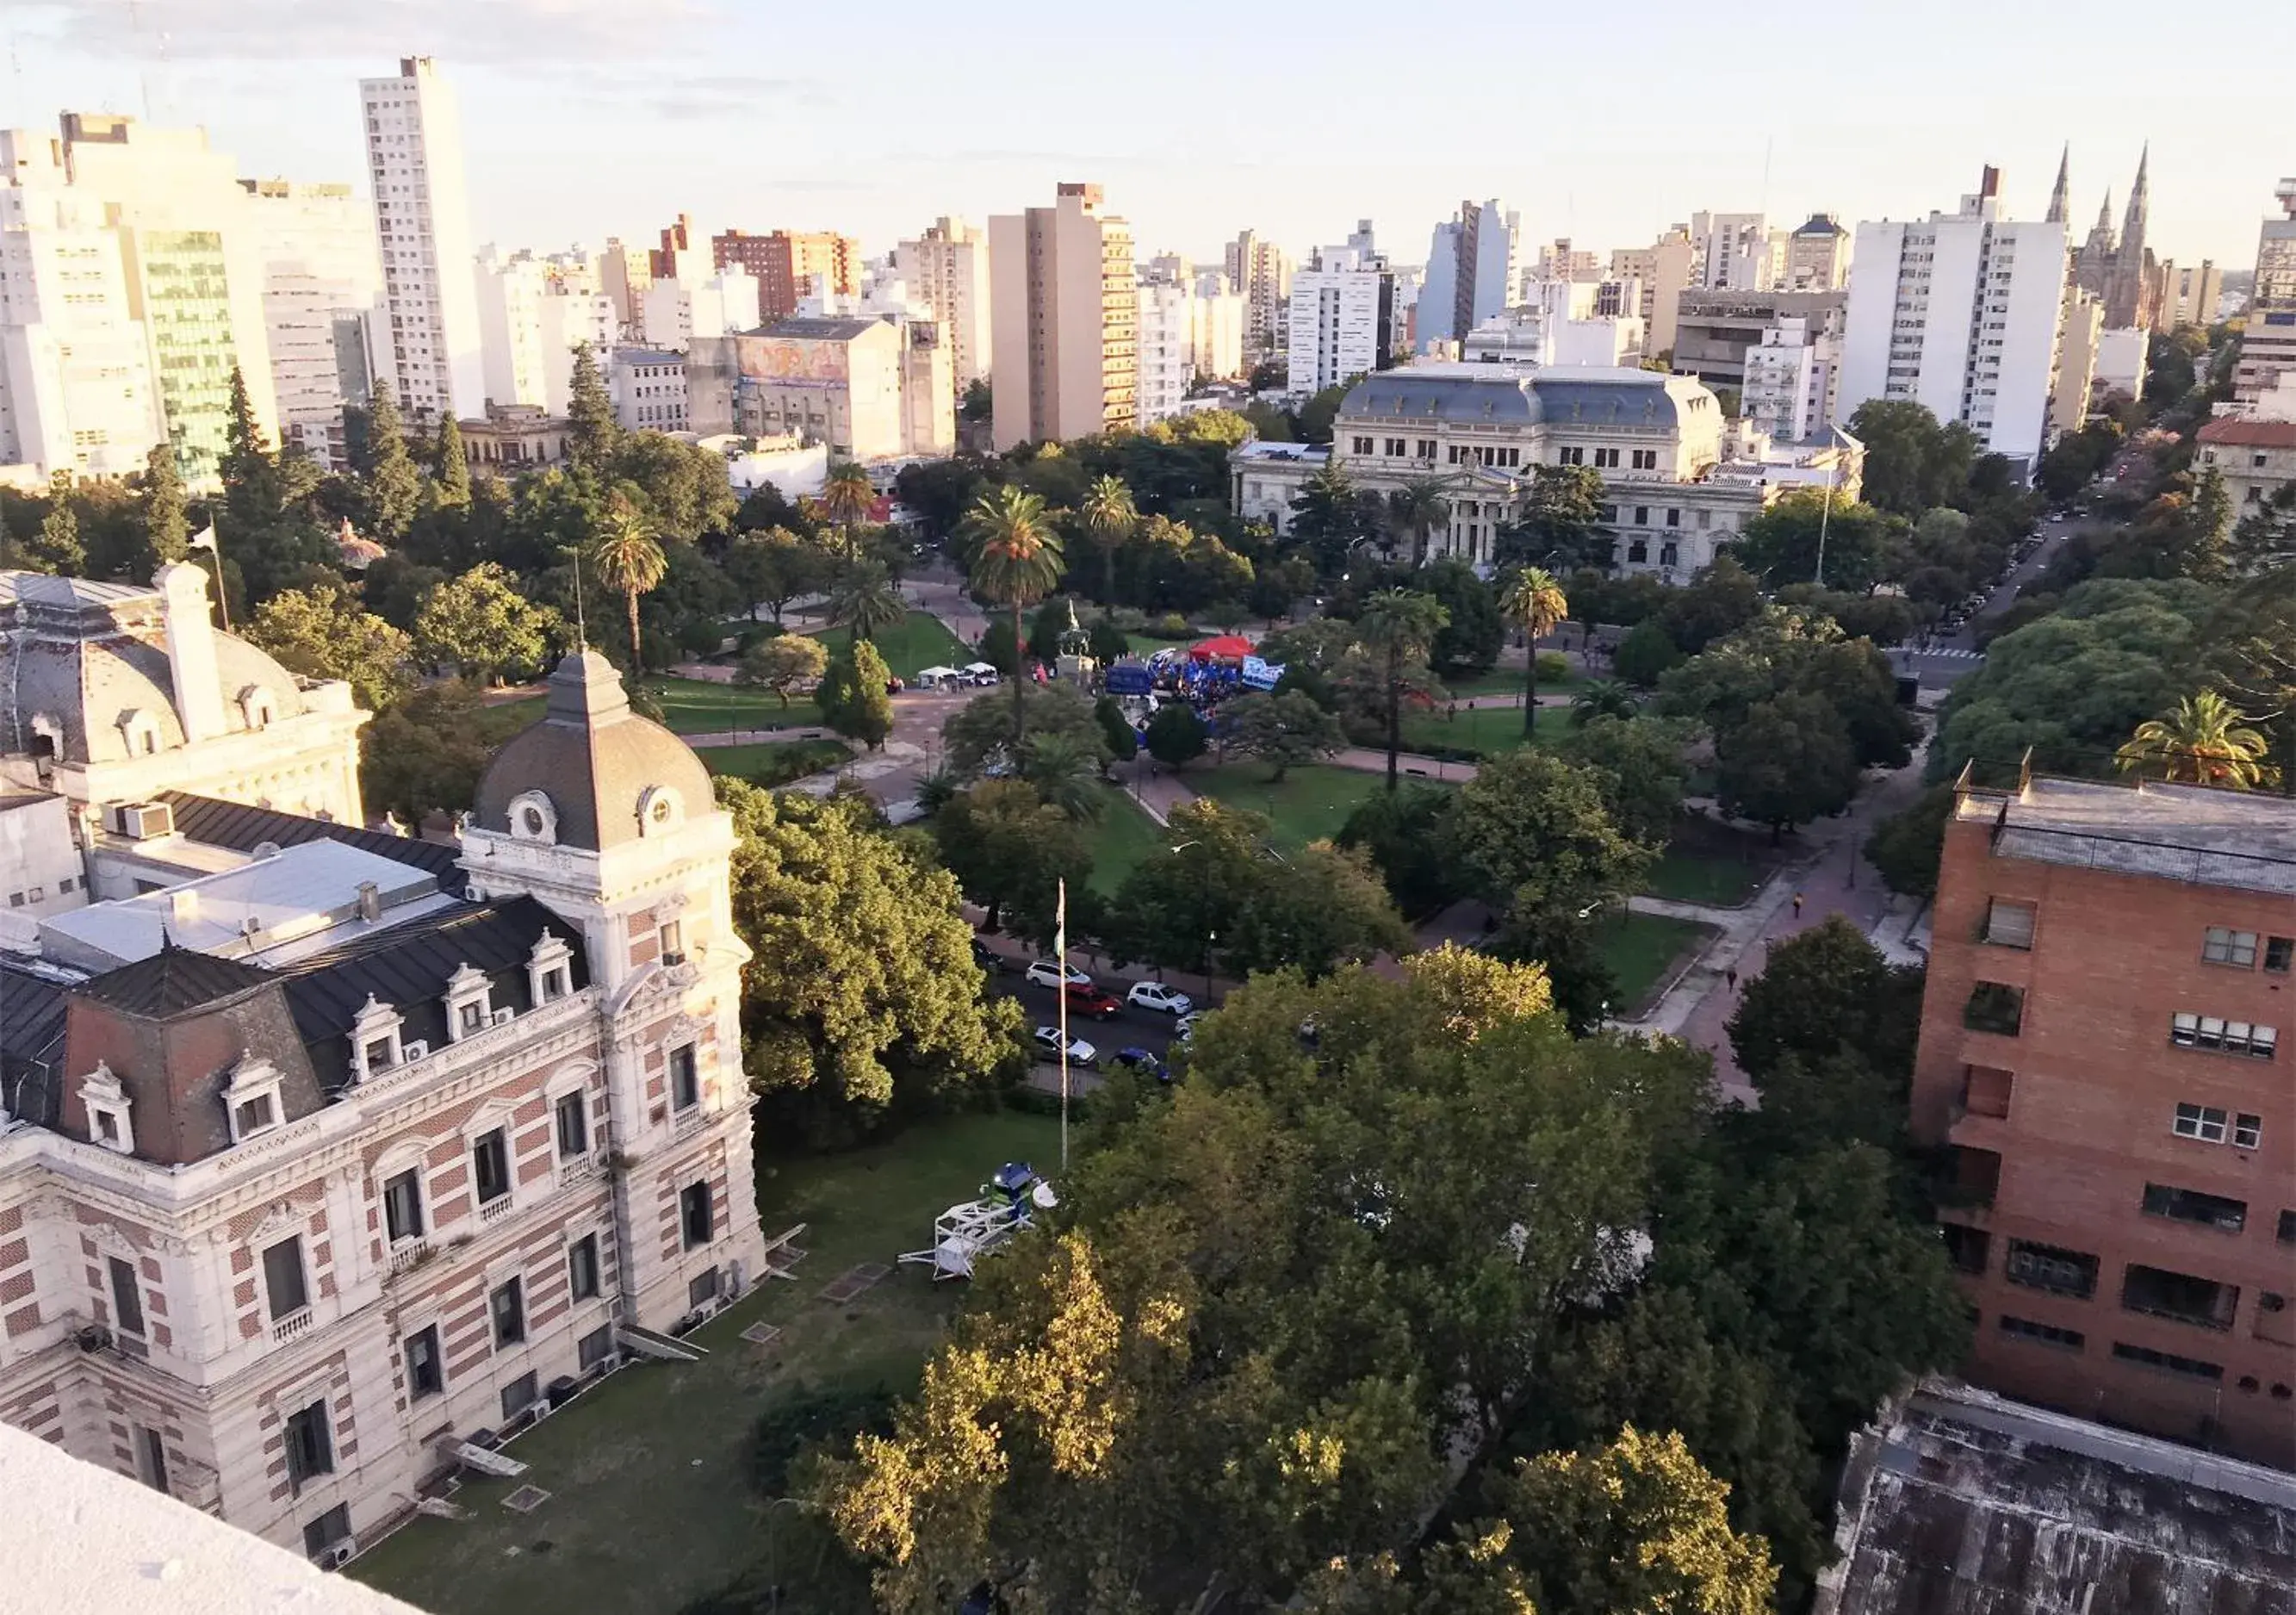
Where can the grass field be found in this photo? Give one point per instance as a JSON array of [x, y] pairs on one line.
[[649, 1502], [1508, 681], [1310, 805], [1641, 950], [1485, 730], [1720, 881], [1124, 835], [923, 641], [775, 762]]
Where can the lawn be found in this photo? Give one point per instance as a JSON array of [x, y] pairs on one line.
[[697, 705], [1482, 730], [649, 1502], [1717, 880], [498, 721], [776, 762], [923, 641], [1122, 837], [1508, 681], [1310, 805], [1642, 950]]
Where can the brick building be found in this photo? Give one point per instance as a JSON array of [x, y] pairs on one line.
[[791, 263], [2102, 1050]]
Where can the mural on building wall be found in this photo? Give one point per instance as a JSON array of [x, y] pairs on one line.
[[784, 360]]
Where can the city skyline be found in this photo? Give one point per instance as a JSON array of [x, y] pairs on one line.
[[575, 131]]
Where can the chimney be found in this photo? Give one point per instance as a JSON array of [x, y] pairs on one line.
[[191, 649], [184, 906], [370, 901]]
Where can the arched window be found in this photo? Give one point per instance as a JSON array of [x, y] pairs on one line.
[[533, 816], [258, 707]]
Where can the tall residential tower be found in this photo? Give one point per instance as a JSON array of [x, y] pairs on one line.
[[1065, 321], [423, 227]]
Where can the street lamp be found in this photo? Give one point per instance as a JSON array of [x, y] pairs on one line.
[[773, 1553], [1832, 469], [1204, 950]]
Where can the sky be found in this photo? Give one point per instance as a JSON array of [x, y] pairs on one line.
[[586, 119]]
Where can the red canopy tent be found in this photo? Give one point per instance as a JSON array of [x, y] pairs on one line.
[[1225, 647]]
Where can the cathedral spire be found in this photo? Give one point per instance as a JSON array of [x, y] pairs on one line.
[[2104, 216], [2059, 198], [2140, 200]]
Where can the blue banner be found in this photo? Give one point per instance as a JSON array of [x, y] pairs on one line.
[[1260, 675], [1128, 678]]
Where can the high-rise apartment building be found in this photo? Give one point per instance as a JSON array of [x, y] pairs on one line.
[[1817, 256], [1959, 313], [791, 264], [1789, 376], [948, 268], [1473, 265], [322, 286], [76, 383], [1164, 351], [678, 257], [532, 314], [432, 346], [2101, 1054], [1216, 328], [1342, 318], [625, 272], [1261, 271], [1064, 321], [2080, 331], [1663, 271], [1733, 253], [681, 312], [2188, 296], [2267, 342]]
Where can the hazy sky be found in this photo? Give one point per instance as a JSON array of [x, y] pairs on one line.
[[590, 118]]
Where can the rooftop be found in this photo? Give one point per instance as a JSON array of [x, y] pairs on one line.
[[173, 981], [2159, 831], [822, 330], [1484, 391], [2250, 434]]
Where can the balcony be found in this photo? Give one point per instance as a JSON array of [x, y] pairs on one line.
[[496, 1209], [294, 1325], [410, 1253]]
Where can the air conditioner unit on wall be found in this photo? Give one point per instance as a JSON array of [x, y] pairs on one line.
[[337, 1554], [501, 1017], [143, 821]]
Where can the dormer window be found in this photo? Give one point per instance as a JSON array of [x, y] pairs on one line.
[[141, 730], [470, 1002], [659, 809], [107, 1124], [673, 943], [533, 817], [257, 706], [375, 1045], [550, 969], [251, 1100]]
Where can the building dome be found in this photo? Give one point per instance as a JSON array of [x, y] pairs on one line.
[[592, 773], [356, 553]]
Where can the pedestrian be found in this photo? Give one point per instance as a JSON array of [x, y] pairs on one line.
[[1797, 905], [1731, 976]]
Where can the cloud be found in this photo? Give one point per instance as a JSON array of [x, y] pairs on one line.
[[494, 33]]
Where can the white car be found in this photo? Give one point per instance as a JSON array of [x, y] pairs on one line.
[[1056, 973], [1156, 996], [1184, 1029], [1080, 1053]]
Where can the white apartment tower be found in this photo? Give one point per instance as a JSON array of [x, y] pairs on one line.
[[1342, 319], [322, 282], [1791, 375], [1165, 348], [1960, 313], [423, 228], [1474, 266], [1065, 321], [2267, 347], [1733, 252], [948, 267], [1261, 271]]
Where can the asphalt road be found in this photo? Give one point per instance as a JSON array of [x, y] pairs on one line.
[[1949, 660], [1132, 1028]]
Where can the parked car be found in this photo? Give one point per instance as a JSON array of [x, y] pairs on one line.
[[1056, 972], [1144, 1061], [1184, 1029], [1080, 1053], [1092, 1004], [988, 958], [1155, 996]]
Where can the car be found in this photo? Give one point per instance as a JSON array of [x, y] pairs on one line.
[[1155, 996], [988, 958], [1092, 1004], [1143, 1062], [1080, 1053], [1184, 1029], [1056, 972]]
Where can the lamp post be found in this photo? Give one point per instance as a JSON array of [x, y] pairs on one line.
[[773, 1553], [1204, 948]]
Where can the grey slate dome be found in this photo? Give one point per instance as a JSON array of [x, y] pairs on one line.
[[601, 770]]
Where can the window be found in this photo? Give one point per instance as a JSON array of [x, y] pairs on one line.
[[1670, 553], [2220, 945], [1995, 1007], [685, 1080], [2247, 1131], [1570, 456], [696, 1215], [1638, 549], [490, 1166], [595, 1347], [1646, 459], [2168, 1361], [2286, 1233], [2050, 1268], [2205, 1122], [151, 1457], [2009, 924], [2047, 1334], [2192, 1206], [127, 1298], [507, 1307], [426, 1370], [329, 1528], [573, 1116], [582, 1267], [402, 1206], [1673, 515], [252, 1116], [2183, 1298], [283, 1277], [521, 1394], [2224, 1036], [310, 1445], [1642, 515], [673, 943], [2279, 953], [554, 985]]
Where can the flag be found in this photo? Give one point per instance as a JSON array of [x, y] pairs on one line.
[[204, 539], [1060, 922]]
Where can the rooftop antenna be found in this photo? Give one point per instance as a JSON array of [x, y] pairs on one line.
[[581, 622]]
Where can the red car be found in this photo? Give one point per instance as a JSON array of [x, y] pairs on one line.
[[1093, 1003]]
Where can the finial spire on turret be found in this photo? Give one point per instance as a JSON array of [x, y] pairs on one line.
[[2060, 197]]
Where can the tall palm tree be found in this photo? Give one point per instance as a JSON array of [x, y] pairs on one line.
[[628, 558], [1109, 512], [1399, 625], [1066, 773], [2205, 740], [1418, 507], [1536, 600], [866, 601], [1016, 559], [847, 496]]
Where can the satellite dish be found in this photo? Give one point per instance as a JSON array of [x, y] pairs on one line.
[[1042, 1195]]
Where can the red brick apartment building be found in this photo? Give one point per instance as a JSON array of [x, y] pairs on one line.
[[2105, 1047], [789, 264]]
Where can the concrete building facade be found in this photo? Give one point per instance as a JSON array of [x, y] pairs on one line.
[[868, 389], [1788, 378], [2188, 295], [322, 287], [1474, 263], [648, 388], [1260, 272], [2074, 392], [679, 313], [2256, 457], [1064, 320], [1716, 331], [1165, 353], [436, 355], [1341, 323], [948, 267], [2267, 339], [789, 265], [1817, 256], [1663, 270]]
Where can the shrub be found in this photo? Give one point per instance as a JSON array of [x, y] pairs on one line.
[[814, 1419], [1130, 619], [1553, 667], [1171, 625]]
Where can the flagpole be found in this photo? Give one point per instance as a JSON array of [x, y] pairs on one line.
[[1061, 953]]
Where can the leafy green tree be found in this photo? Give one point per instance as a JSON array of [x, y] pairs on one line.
[[1397, 627], [1117, 734], [1009, 848], [1907, 846], [323, 633], [866, 601], [425, 754], [1645, 653], [1468, 644], [1409, 838], [593, 435], [1787, 761], [861, 994], [982, 733], [773, 567], [978, 402], [1322, 409], [1720, 601], [1110, 516], [1417, 508], [681, 487], [1176, 735], [1781, 544], [166, 527], [1912, 462], [1065, 768], [1283, 731], [1642, 770], [56, 547], [450, 465], [1562, 522], [1602, 698], [246, 457], [2250, 652], [1781, 653], [1538, 832], [1536, 602], [1330, 516], [1016, 559], [628, 557], [394, 486], [484, 628], [853, 698], [2265, 540], [783, 663], [1821, 990]]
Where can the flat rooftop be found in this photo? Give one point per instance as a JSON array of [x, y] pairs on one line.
[[2203, 837]]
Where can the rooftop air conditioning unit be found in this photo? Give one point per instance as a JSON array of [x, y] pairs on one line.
[[142, 821], [413, 1048], [503, 1016], [337, 1554]]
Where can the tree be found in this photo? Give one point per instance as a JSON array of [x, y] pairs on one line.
[[1328, 516], [1562, 522], [847, 495], [482, 625], [394, 487], [1110, 516], [861, 993], [1787, 761], [773, 567], [1645, 653], [2265, 540], [1640, 767], [593, 435], [1911, 462], [323, 633], [864, 601], [1409, 838], [1825, 990], [1398, 627], [2205, 740], [1907, 846], [1117, 734], [1176, 735], [1468, 644], [1283, 730], [1009, 849], [425, 754], [629, 560], [978, 404], [167, 530], [1537, 605], [1783, 652], [449, 465], [1538, 832], [246, 457], [783, 663], [1721, 600], [1016, 559], [1602, 698], [2251, 652], [1065, 768], [853, 698], [56, 547], [1781, 544], [982, 734], [1417, 508]]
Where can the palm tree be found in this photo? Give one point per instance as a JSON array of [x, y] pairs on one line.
[[866, 601], [847, 496], [1109, 513], [1016, 559], [1399, 625], [1536, 600], [629, 557], [1602, 698], [2205, 740], [1418, 507], [1066, 773]]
